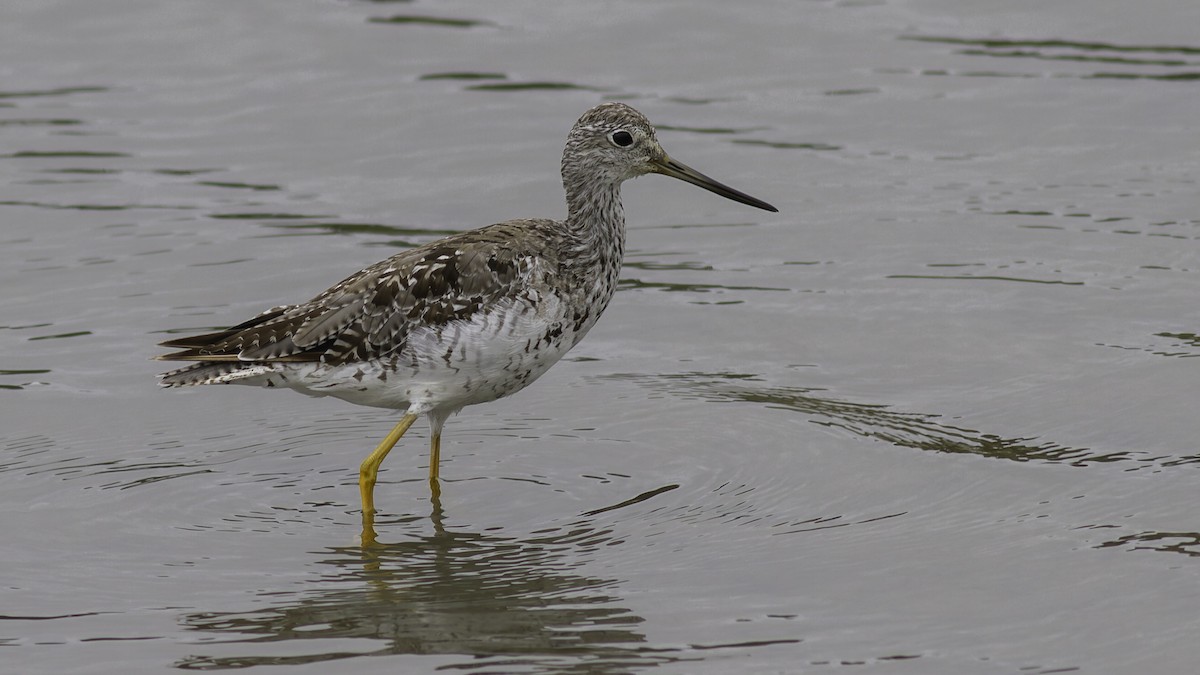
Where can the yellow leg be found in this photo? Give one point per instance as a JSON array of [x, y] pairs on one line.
[[369, 469], [435, 460]]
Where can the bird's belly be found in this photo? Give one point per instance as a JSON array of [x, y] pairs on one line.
[[461, 363]]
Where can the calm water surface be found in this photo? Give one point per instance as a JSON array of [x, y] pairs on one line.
[[935, 416]]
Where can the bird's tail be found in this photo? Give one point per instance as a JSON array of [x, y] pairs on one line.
[[223, 372]]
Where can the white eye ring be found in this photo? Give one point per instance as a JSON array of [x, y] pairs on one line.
[[621, 138]]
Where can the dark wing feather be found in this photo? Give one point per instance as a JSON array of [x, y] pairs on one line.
[[370, 314], [208, 340]]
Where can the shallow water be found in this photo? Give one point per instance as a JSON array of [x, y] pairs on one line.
[[935, 416]]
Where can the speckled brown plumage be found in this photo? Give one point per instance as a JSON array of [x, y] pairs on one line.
[[370, 314]]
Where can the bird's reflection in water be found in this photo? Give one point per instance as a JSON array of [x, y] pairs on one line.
[[501, 602]]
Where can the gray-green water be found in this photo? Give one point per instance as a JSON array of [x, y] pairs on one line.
[[937, 416]]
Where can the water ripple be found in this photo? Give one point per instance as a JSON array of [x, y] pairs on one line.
[[920, 431], [464, 75], [532, 86], [60, 91], [1186, 543], [442, 22], [1064, 51]]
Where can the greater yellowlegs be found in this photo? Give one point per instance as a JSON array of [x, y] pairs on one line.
[[462, 320]]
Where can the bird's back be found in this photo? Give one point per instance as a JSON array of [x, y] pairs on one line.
[[484, 312]]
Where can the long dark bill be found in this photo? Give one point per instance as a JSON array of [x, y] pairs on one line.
[[669, 167]]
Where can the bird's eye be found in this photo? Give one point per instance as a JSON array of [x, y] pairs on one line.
[[622, 139]]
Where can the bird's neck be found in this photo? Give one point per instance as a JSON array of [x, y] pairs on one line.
[[596, 220], [595, 237]]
